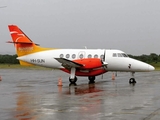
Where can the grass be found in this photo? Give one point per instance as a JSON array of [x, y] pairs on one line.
[[156, 65], [18, 66]]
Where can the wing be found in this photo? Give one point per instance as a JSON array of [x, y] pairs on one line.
[[68, 63]]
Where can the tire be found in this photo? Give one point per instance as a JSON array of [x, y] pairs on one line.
[[132, 80], [91, 79], [73, 81]]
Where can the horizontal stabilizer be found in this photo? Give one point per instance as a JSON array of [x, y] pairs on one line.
[[20, 42]]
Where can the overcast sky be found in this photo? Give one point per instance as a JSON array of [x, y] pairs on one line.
[[132, 26]]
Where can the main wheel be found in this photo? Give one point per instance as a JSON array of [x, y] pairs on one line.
[[73, 81], [132, 80], [91, 79]]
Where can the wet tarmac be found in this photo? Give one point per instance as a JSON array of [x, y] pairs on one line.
[[34, 95]]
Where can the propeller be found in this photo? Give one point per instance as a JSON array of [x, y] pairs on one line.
[[104, 64], [104, 55]]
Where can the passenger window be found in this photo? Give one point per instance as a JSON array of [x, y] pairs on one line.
[[73, 56], [81, 56], [61, 55], [95, 56], [89, 56], [114, 54], [67, 56], [101, 57]]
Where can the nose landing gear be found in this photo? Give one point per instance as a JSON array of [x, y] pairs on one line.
[[132, 79]]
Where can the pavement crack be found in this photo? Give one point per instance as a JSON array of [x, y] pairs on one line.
[[150, 116]]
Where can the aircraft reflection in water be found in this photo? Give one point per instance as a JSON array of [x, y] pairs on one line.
[[72, 102], [83, 101], [25, 107], [84, 89]]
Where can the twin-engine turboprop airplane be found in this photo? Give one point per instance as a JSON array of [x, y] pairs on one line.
[[76, 62]]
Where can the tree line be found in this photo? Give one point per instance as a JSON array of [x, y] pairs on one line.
[[152, 58], [8, 59]]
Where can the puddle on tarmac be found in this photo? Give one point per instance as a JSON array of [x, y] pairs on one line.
[[34, 95]]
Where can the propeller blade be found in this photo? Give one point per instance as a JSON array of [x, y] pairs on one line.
[[104, 56], [104, 64]]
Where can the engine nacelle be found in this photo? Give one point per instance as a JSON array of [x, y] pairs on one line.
[[89, 63]]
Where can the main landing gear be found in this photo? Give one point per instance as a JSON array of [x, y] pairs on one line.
[[73, 78], [73, 81], [91, 79], [132, 79]]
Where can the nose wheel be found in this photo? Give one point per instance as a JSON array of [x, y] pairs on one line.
[[132, 79]]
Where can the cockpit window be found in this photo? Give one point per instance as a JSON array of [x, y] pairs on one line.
[[114, 54], [124, 55], [120, 55]]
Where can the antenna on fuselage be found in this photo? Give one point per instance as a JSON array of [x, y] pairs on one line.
[[104, 56], [85, 47]]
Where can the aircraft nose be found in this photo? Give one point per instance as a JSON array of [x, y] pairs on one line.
[[151, 68]]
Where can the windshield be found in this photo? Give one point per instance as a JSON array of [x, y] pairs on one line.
[[119, 55]]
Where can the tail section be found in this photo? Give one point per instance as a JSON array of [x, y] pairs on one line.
[[22, 43]]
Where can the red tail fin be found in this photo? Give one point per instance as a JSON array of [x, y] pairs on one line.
[[22, 42]]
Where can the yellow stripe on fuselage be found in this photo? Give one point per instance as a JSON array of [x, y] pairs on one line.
[[25, 63]]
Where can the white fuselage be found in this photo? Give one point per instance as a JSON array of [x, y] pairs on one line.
[[117, 60]]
